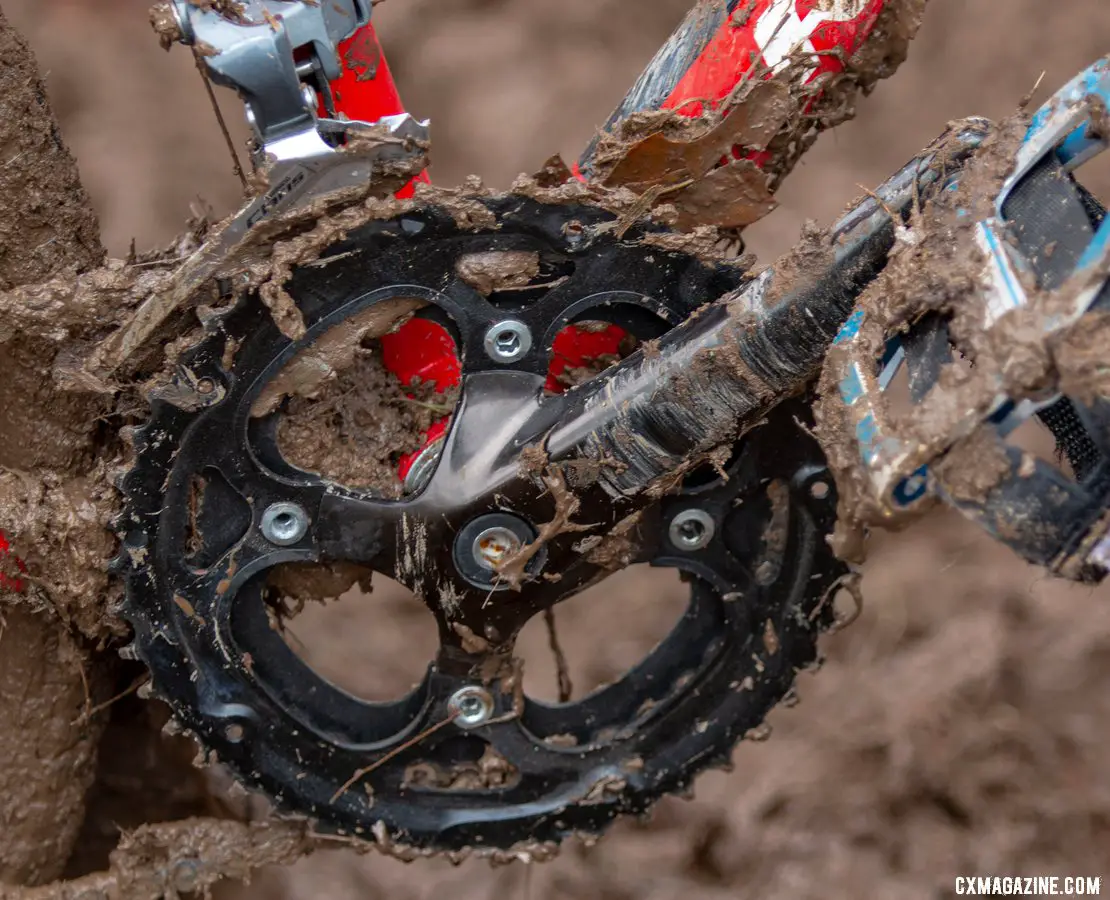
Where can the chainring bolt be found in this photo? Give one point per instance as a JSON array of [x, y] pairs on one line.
[[574, 231], [284, 524], [493, 546], [423, 467], [485, 544], [470, 707], [692, 529], [508, 341]]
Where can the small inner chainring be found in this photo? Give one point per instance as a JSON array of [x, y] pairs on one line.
[[466, 761]]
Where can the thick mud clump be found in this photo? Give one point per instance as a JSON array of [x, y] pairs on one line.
[[356, 429], [48, 673]]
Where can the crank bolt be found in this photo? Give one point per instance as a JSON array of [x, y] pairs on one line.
[[485, 544], [284, 524], [574, 230], [508, 341], [493, 546], [470, 707], [692, 529]]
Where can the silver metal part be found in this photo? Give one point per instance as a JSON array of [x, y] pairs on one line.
[[284, 524], [420, 472], [493, 546], [508, 341], [692, 529], [252, 52], [470, 706]]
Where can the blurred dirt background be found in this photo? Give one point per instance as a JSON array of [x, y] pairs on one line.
[[958, 727]]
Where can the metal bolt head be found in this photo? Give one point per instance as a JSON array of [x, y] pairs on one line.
[[470, 707], [485, 544], [508, 341], [186, 875], [423, 467], [574, 232], [692, 529], [284, 524], [493, 546]]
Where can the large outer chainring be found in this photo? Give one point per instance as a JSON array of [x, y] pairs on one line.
[[758, 590]]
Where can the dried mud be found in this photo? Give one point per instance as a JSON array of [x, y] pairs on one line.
[[355, 429]]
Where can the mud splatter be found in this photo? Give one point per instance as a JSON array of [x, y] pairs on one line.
[[490, 772], [498, 270], [514, 569]]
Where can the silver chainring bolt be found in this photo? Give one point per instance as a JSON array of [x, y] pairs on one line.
[[493, 546], [508, 341], [423, 467], [692, 529], [470, 707], [284, 524], [309, 95]]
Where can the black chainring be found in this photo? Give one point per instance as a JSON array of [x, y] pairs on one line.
[[758, 598]]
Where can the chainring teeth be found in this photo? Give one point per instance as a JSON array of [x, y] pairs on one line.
[[300, 772]]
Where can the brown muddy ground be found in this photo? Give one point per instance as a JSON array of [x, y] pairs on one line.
[[957, 727]]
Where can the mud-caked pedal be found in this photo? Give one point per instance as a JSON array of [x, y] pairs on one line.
[[1020, 342]]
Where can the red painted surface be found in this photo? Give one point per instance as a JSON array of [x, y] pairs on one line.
[[365, 90], [422, 351], [8, 581], [737, 50], [574, 347]]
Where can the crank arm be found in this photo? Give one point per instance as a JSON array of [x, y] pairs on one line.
[[666, 408], [715, 376]]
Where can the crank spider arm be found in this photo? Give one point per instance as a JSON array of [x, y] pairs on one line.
[[1046, 257]]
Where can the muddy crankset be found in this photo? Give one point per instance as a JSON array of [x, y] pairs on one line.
[[224, 499]]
